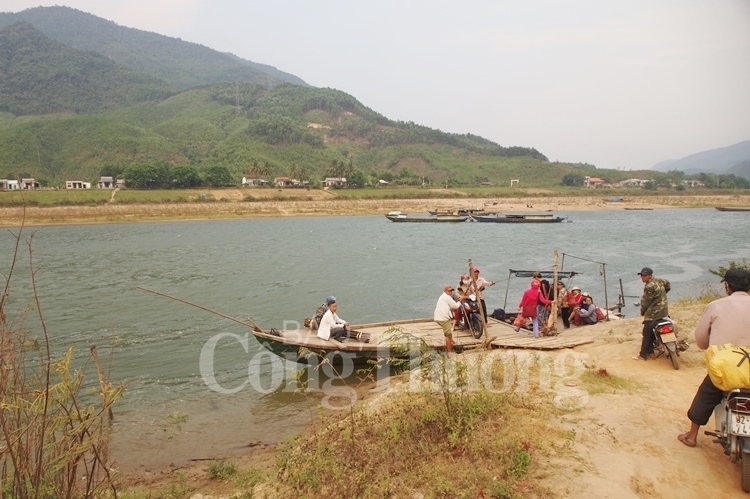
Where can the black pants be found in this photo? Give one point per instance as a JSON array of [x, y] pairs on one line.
[[706, 399], [647, 343], [339, 332], [484, 310], [565, 313]]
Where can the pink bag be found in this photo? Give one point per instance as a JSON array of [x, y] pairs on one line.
[[519, 321]]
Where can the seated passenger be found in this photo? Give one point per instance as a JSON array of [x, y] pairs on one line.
[[333, 326], [587, 311], [320, 312]]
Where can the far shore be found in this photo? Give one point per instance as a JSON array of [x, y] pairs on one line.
[[229, 207]]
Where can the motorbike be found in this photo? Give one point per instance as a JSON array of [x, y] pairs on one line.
[[732, 418], [666, 342], [472, 316]]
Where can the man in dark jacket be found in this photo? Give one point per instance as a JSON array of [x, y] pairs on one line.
[[654, 306]]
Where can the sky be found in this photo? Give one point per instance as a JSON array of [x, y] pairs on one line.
[[620, 84]]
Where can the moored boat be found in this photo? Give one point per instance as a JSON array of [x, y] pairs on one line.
[[397, 216], [733, 208], [531, 217]]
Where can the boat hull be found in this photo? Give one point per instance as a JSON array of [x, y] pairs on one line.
[[428, 218], [733, 208], [517, 220]]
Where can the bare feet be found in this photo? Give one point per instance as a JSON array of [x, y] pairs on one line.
[[686, 439]]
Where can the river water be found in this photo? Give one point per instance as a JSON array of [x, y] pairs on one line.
[[277, 271]]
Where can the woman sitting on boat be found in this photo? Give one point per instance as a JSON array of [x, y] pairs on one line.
[[587, 311], [333, 326]]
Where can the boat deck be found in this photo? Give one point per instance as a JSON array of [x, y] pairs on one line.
[[501, 335]]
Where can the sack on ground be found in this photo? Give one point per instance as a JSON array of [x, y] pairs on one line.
[[600, 314], [728, 366]]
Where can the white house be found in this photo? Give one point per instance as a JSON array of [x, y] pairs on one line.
[[253, 182], [12, 185], [77, 184], [331, 181]]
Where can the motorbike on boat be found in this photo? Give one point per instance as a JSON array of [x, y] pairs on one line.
[[732, 418], [666, 342]]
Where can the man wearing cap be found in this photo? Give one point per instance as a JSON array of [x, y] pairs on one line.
[[726, 320], [331, 325], [476, 288], [654, 306], [320, 312], [443, 315]]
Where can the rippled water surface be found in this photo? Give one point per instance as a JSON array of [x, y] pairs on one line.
[[281, 270]]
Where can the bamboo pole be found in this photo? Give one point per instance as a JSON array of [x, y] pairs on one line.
[[249, 322]]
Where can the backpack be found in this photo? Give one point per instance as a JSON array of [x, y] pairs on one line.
[[319, 313]]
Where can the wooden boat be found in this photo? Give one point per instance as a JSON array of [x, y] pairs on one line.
[[397, 216], [634, 209], [461, 211], [733, 208], [401, 339], [531, 217]]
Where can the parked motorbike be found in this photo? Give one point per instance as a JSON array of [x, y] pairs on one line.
[[472, 316], [666, 342], [732, 417]]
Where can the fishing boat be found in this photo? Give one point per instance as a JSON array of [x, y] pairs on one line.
[[461, 211], [530, 217], [397, 216], [733, 208], [401, 339]]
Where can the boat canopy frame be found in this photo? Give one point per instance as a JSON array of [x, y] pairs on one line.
[[545, 274]]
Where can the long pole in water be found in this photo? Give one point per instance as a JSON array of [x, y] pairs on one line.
[[248, 323]]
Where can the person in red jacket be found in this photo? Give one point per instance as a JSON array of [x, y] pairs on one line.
[[530, 300], [575, 299]]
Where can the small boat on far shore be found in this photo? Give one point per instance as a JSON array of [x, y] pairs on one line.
[[397, 216], [531, 217], [733, 208]]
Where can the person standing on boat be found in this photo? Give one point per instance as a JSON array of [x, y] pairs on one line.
[[654, 306], [529, 306], [477, 287], [564, 303], [333, 326], [443, 315]]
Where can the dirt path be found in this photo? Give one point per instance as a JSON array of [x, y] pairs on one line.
[[628, 441]]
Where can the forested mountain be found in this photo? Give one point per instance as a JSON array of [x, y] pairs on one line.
[[181, 64], [83, 97], [41, 76]]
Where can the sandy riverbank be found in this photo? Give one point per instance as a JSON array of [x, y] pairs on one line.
[[321, 203]]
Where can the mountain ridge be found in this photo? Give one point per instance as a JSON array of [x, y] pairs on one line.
[[730, 159]]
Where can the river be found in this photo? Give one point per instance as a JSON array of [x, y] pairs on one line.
[[277, 271]]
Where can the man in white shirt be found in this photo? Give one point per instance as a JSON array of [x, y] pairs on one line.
[[443, 315], [333, 326]]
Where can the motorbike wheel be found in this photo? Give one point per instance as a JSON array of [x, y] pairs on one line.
[[673, 358], [476, 326], [745, 463]]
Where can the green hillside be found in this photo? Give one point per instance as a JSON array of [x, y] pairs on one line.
[[41, 76], [182, 64]]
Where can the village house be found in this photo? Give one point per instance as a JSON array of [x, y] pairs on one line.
[[105, 183], [692, 183], [9, 185], [29, 184], [593, 182], [285, 182], [633, 182], [253, 182], [77, 184], [334, 181]]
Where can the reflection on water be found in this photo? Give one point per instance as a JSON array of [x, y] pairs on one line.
[[281, 270]]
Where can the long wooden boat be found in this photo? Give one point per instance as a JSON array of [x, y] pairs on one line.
[[402, 339], [397, 216], [733, 208], [539, 217]]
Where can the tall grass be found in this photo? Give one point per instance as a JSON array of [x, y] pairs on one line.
[[54, 435]]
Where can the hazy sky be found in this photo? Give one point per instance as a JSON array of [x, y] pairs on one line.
[[618, 84]]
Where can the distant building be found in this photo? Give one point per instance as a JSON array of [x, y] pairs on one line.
[[29, 184], [120, 183], [286, 182], [337, 181], [105, 183], [633, 182], [254, 182], [593, 182], [77, 184]]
